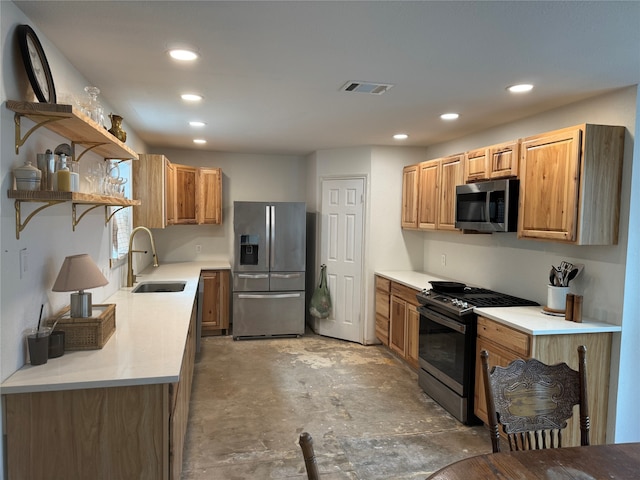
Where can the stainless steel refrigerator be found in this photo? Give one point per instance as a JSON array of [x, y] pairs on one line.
[[269, 269]]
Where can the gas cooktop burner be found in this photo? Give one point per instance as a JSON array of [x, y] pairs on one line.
[[463, 302]]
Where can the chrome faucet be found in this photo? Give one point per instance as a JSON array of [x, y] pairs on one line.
[[131, 278]]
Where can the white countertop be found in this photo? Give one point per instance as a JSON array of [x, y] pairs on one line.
[[146, 347], [417, 280], [529, 320]]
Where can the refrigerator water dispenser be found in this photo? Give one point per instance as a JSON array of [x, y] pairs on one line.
[[249, 249]]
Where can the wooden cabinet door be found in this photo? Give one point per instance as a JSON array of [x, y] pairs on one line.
[[398, 326], [186, 193], [409, 218], [149, 184], [413, 334], [549, 182], [215, 303], [504, 160], [170, 193], [209, 206], [476, 165], [429, 181], [451, 176]]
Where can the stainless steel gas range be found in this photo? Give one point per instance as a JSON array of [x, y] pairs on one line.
[[447, 344]]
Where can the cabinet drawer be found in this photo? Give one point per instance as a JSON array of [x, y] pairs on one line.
[[383, 284], [504, 336], [405, 293]]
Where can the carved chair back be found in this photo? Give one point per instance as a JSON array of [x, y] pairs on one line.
[[533, 401]]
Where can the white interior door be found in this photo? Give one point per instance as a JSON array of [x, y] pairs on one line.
[[341, 247]]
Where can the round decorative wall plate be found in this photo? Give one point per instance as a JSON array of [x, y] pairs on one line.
[[35, 62]]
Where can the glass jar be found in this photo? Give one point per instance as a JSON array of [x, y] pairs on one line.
[[94, 107]]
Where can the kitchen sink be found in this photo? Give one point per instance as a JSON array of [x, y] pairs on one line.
[[159, 287]]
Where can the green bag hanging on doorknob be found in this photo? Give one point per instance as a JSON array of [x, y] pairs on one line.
[[320, 306]]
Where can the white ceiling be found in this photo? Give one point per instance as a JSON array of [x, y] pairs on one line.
[[271, 72]]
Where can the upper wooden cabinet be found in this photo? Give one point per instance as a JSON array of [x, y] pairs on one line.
[[496, 161], [570, 185], [450, 177], [428, 199], [174, 194], [209, 205], [186, 194], [435, 182], [150, 183], [409, 217]]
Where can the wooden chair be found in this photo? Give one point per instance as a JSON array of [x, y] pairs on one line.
[[306, 444], [532, 401]]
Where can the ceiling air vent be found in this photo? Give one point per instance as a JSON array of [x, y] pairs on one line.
[[366, 87]]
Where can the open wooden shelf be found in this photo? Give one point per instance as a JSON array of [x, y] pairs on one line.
[[69, 122], [75, 197]]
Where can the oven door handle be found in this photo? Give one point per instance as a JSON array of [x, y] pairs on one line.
[[442, 320]]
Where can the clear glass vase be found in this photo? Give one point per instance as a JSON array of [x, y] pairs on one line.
[[94, 108]]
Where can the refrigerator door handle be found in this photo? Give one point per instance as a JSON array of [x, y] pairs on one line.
[[253, 275], [286, 275], [272, 235], [279, 295]]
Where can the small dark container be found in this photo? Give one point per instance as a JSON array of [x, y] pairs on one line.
[[38, 346], [56, 344]]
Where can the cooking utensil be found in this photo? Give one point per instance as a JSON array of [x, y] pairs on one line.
[[448, 287]]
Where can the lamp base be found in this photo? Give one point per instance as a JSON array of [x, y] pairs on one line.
[[81, 305]]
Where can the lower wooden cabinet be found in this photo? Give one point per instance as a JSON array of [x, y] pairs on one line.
[[383, 299], [505, 344], [101, 433], [215, 303], [399, 303]]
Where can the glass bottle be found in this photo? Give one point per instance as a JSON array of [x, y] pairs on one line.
[[95, 109]]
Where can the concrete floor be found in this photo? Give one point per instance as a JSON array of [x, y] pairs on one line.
[[363, 407]]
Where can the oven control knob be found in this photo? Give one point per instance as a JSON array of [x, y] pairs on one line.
[[464, 304], [455, 301]]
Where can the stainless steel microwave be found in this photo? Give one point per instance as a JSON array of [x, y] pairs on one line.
[[488, 206]]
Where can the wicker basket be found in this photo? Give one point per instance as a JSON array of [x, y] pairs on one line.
[[86, 333]]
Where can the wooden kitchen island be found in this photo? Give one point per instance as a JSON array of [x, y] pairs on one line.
[[117, 412]]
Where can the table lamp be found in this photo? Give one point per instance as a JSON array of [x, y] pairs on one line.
[[79, 272]]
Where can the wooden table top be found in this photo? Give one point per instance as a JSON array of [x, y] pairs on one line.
[[612, 462]]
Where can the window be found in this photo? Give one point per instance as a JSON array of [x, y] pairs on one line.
[[122, 220]]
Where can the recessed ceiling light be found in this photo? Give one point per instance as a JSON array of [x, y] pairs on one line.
[[199, 141], [197, 124], [191, 97], [449, 116], [183, 54], [521, 88], [400, 136]]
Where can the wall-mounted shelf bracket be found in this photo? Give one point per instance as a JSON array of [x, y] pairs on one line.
[[108, 216], [17, 118], [20, 225], [75, 220], [89, 146]]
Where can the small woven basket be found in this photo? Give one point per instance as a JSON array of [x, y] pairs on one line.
[[89, 333]]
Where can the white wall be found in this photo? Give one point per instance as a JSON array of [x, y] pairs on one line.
[[521, 267], [48, 237]]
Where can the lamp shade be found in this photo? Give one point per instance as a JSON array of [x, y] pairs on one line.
[[79, 272]]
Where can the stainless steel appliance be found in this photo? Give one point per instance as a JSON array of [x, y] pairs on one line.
[[269, 269], [447, 343], [488, 206]]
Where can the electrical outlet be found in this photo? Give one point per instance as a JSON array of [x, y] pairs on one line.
[[198, 248], [24, 262], [443, 260]]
